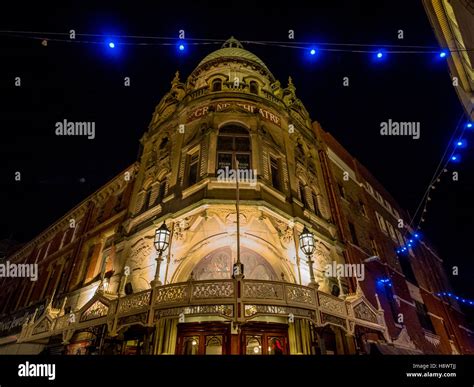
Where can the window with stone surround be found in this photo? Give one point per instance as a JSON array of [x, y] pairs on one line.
[[233, 144]]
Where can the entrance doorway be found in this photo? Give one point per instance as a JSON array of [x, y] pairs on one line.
[[216, 339], [203, 339], [264, 339]]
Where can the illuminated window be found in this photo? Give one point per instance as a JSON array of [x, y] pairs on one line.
[[276, 345], [233, 143], [191, 345], [214, 345], [253, 345]]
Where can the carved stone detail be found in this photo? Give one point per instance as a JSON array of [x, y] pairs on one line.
[[300, 295], [213, 290], [263, 290], [363, 312], [332, 304], [96, 310], [172, 294], [135, 301]]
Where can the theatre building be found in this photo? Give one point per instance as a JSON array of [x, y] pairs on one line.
[[218, 239]]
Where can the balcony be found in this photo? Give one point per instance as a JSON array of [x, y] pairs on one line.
[[231, 300]]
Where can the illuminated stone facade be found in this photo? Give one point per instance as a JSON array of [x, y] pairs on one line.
[[100, 290]]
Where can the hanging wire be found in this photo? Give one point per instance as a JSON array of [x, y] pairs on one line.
[[393, 48]]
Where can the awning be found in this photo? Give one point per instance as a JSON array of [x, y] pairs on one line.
[[390, 349]]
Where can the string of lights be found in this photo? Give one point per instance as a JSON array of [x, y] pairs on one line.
[[440, 169], [114, 40], [457, 298], [456, 144]]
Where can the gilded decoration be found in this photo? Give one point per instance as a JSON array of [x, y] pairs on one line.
[[172, 294], [96, 310], [299, 294], [213, 290], [135, 301], [331, 304], [261, 290], [363, 312]]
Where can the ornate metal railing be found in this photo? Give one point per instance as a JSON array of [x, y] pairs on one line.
[[230, 299]]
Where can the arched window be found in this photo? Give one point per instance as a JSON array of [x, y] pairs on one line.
[[253, 87], [233, 143], [216, 85]]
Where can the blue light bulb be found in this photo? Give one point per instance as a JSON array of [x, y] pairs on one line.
[[442, 54], [313, 51], [111, 44]]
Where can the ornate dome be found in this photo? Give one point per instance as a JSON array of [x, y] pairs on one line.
[[232, 48]]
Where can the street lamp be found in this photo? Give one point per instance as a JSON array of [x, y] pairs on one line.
[[162, 241], [307, 245]]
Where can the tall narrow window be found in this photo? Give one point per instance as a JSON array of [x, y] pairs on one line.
[[146, 200], [303, 195], [342, 191], [254, 87], [387, 290], [353, 234], [374, 247], [161, 191], [275, 172], [315, 203], [407, 269], [424, 317], [363, 209], [391, 231], [193, 160], [217, 85], [233, 143], [381, 221]]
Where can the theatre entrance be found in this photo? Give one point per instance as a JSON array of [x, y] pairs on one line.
[[215, 338]]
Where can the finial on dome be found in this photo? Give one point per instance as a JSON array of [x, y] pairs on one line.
[[175, 80], [232, 42], [291, 86]]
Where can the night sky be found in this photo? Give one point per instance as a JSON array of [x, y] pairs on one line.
[[84, 82]]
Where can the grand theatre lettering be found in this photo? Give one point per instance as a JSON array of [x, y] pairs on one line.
[[220, 107]]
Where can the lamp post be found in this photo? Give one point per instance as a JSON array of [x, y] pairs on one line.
[[162, 241], [307, 245]]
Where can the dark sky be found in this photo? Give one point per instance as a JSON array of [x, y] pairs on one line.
[[84, 82]]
